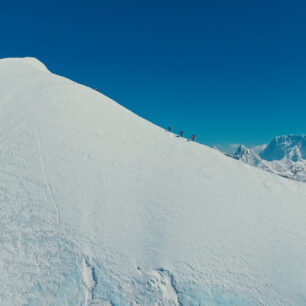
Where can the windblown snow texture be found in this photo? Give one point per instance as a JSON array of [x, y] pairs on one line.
[[101, 207]]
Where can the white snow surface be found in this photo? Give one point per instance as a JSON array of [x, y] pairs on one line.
[[101, 207]]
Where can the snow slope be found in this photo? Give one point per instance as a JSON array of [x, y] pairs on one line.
[[101, 207]]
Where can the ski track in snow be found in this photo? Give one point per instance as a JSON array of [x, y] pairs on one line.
[[46, 181]]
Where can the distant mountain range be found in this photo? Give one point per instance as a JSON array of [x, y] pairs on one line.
[[285, 156]]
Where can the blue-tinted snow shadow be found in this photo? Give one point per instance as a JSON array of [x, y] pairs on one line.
[[212, 296]]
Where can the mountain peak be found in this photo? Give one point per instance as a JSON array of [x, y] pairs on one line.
[[241, 149], [285, 156], [247, 155], [31, 61], [291, 147]]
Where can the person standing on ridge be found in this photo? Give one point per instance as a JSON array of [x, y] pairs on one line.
[[181, 133], [170, 128], [193, 137]]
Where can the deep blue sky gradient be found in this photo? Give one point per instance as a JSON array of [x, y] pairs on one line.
[[229, 71]]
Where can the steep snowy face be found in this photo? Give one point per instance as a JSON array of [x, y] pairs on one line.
[[291, 147], [101, 207]]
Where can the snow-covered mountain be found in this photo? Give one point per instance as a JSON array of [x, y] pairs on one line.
[[247, 155], [101, 207], [284, 156], [291, 147]]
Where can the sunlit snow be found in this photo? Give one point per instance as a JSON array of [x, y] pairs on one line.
[[101, 207]]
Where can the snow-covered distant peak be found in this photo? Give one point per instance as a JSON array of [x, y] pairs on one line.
[[247, 155], [30, 61], [242, 150], [284, 156], [290, 147]]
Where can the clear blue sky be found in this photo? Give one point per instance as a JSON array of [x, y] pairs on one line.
[[229, 71]]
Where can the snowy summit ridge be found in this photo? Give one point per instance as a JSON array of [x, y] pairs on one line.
[[29, 61], [101, 207]]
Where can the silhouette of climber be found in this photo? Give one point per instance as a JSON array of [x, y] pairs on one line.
[[193, 137], [181, 133], [169, 128]]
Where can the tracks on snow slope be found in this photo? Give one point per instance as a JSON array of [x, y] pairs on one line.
[[46, 181]]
